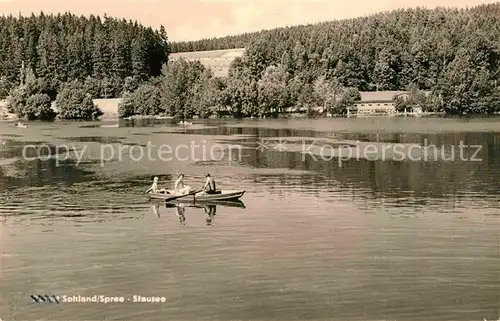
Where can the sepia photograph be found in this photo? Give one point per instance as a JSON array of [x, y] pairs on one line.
[[237, 160]]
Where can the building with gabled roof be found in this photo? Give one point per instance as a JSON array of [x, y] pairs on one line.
[[378, 102]]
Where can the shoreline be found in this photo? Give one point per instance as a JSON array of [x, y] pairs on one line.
[[14, 118], [110, 109], [146, 117]]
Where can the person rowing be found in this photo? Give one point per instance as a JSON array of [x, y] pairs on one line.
[[209, 187], [179, 186]]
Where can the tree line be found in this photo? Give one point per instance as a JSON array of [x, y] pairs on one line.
[[453, 53], [105, 56], [189, 89]]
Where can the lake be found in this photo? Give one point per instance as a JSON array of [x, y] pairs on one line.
[[342, 219]]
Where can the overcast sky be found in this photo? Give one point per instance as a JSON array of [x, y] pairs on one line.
[[195, 19]]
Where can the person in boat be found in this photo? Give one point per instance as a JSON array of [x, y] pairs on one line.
[[179, 187], [209, 187], [154, 187]]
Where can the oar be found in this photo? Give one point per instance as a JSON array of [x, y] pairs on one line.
[[180, 196]]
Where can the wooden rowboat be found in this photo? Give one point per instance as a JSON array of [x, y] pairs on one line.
[[224, 195]]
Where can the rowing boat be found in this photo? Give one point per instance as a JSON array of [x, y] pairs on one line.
[[224, 195]]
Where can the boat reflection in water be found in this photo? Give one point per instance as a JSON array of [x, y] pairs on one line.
[[181, 210], [156, 209], [210, 211], [209, 207]]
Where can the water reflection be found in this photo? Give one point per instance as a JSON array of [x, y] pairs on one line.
[[209, 208], [145, 122], [42, 172], [156, 209], [383, 238], [28, 150], [181, 210], [431, 179], [210, 211], [95, 139], [257, 132]]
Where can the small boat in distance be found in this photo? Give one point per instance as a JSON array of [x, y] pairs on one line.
[[21, 125], [184, 123], [224, 195]]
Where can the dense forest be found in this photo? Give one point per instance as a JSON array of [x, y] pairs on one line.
[[48, 53], [448, 59], [453, 53]]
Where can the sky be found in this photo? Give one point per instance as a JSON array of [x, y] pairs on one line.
[[196, 19]]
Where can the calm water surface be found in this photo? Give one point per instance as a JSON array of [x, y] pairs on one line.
[[369, 239]]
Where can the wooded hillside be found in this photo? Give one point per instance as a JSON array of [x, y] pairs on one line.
[[66, 47], [453, 52], [385, 51], [72, 60]]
